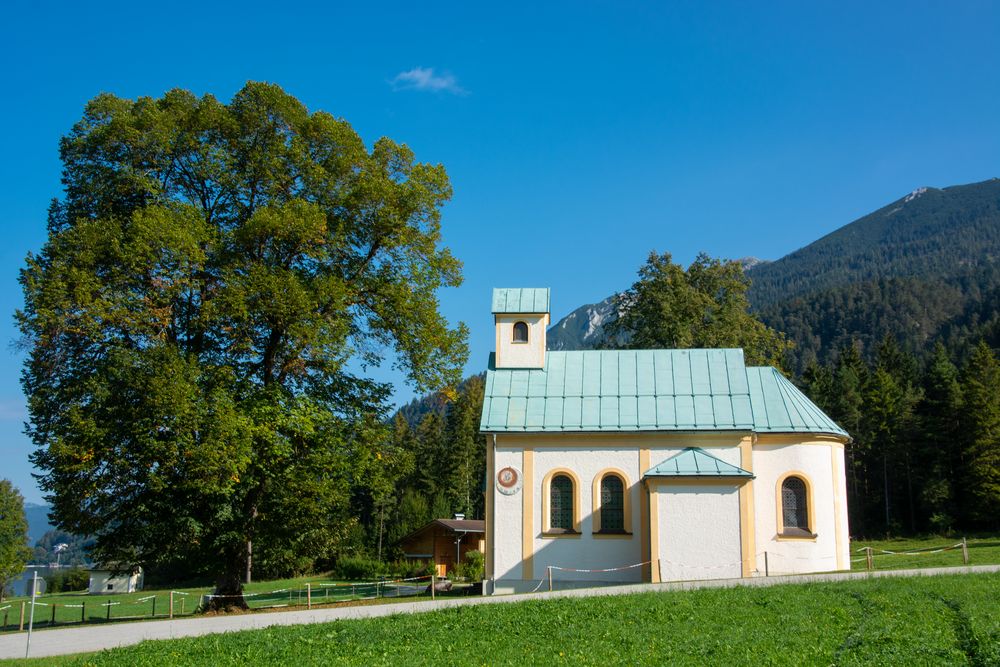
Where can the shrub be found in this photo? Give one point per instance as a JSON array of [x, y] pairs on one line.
[[358, 567], [363, 567], [474, 565], [406, 569], [75, 579]]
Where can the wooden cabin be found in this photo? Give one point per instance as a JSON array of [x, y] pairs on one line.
[[445, 542]]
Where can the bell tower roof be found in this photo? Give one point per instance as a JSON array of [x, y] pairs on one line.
[[520, 300]]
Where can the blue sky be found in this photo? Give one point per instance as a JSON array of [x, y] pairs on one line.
[[578, 136]]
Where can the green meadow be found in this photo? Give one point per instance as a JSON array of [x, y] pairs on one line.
[[76, 607], [907, 553], [946, 620]]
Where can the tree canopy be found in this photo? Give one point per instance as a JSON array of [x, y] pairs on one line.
[[215, 281], [703, 306], [14, 551]]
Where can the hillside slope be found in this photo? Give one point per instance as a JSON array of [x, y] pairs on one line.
[[928, 233], [924, 268]]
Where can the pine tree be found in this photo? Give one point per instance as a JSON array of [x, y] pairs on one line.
[[981, 424], [939, 412], [430, 456]]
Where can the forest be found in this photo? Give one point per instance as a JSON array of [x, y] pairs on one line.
[[925, 455]]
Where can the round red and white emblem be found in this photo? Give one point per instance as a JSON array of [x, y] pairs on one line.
[[508, 480]]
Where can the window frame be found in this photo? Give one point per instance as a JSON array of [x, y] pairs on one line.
[[795, 533], [597, 529], [527, 334], [547, 529]]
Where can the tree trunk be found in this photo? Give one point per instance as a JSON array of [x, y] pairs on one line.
[[229, 590], [249, 560], [381, 523]]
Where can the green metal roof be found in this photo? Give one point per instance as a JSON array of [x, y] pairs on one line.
[[696, 462], [520, 299], [621, 390], [647, 390], [779, 406]]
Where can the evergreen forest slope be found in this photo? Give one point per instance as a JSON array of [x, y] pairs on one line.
[[922, 269]]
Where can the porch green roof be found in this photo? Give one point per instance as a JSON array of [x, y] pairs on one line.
[[520, 300], [647, 390], [696, 462]]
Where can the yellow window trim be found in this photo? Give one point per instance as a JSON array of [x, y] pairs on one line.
[[810, 509], [547, 500], [626, 507]]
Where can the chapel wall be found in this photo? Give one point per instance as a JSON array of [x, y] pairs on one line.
[[821, 464]]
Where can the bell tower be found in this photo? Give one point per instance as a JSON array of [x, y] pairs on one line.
[[521, 315]]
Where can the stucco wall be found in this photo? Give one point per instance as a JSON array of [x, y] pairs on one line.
[[507, 520], [822, 465], [587, 551], [681, 514], [521, 355], [698, 531], [100, 581]]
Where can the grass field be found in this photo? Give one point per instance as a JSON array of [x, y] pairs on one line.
[[982, 551], [71, 608], [948, 620]]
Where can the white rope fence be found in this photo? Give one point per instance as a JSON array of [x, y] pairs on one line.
[[871, 553], [319, 593]]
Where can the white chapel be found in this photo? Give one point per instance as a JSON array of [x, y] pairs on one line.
[[650, 465]]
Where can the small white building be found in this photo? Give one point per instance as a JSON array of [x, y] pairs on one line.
[[650, 465], [109, 579]]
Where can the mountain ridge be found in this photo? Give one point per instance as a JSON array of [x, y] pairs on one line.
[[902, 258]]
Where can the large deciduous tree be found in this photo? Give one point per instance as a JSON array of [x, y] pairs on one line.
[[703, 306], [14, 551], [214, 280]]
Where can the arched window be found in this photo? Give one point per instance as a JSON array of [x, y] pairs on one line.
[[612, 515], [561, 504], [795, 507], [612, 504], [520, 332]]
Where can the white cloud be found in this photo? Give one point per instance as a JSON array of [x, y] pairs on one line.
[[425, 78]]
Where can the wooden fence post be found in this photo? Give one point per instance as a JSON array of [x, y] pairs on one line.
[[309, 596], [965, 551], [83, 612], [869, 561], [549, 570], [20, 625], [433, 585], [153, 614], [171, 605], [767, 569], [53, 621]]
